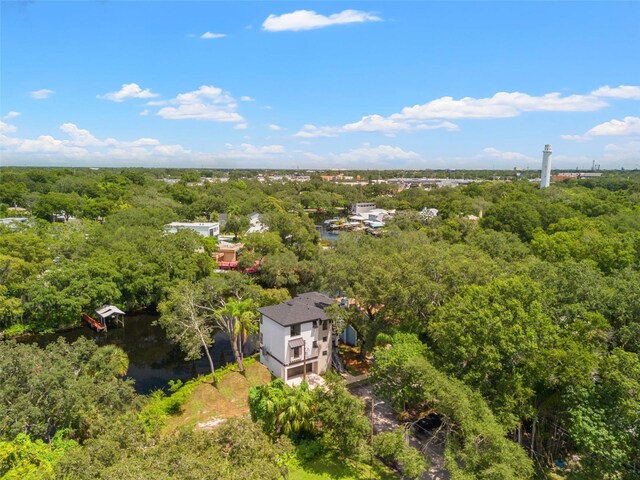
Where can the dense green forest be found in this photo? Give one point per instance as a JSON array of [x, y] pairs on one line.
[[520, 329]]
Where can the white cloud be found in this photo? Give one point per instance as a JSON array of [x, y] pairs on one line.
[[625, 151], [437, 113], [630, 92], [128, 90], [247, 151], [144, 112], [171, 150], [246, 98], [499, 154], [368, 154], [575, 138], [49, 145], [375, 123], [79, 136], [241, 126], [11, 115], [207, 103], [501, 105], [309, 20], [274, 127], [7, 128], [627, 126], [210, 35], [311, 131], [41, 94], [82, 144]]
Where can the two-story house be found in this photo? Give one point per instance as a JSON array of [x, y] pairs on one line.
[[296, 334]]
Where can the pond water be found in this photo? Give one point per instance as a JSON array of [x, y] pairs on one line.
[[326, 234], [153, 359]]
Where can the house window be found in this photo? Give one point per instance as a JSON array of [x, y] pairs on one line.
[[296, 352], [315, 344], [324, 353], [324, 339], [325, 324], [261, 337], [295, 330], [315, 324]]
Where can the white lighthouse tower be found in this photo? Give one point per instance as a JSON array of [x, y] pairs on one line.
[[545, 174]]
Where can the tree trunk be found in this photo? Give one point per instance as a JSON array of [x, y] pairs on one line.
[[213, 369], [533, 434], [237, 354]]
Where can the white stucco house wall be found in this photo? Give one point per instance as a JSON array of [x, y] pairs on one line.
[[205, 229], [296, 333]]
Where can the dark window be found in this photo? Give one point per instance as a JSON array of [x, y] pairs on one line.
[[324, 354], [296, 352], [315, 324], [295, 330], [325, 324], [324, 339], [315, 344], [261, 337]]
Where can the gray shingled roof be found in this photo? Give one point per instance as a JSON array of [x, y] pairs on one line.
[[303, 308]]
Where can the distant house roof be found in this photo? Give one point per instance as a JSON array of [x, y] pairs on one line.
[[303, 308], [317, 299]]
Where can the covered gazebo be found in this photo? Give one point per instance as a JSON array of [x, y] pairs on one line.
[[111, 314]]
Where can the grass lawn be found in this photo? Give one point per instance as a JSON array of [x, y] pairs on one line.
[[327, 468], [229, 399]]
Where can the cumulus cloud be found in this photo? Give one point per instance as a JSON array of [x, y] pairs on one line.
[[629, 92], [11, 115], [82, 144], [41, 94], [500, 105], [241, 126], [274, 127], [493, 152], [625, 151], [246, 98], [310, 20], [207, 103], [210, 35], [7, 128], [171, 150], [128, 90], [628, 126], [436, 114], [247, 151], [574, 138], [370, 154], [374, 123]]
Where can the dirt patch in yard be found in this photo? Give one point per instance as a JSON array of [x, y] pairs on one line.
[[230, 398], [352, 361]]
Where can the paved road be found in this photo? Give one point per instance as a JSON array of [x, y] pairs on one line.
[[385, 419]]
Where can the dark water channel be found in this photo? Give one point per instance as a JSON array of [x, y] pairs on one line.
[[153, 359]]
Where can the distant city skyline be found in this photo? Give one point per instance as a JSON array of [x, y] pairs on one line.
[[315, 85]]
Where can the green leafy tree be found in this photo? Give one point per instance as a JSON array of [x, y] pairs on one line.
[[393, 448], [186, 323]]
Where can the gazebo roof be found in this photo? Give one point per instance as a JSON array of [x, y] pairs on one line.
[[108, 310]]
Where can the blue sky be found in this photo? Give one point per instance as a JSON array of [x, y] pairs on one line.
[[320, 84]]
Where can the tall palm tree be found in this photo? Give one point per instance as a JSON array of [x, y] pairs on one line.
[[237, 318]]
